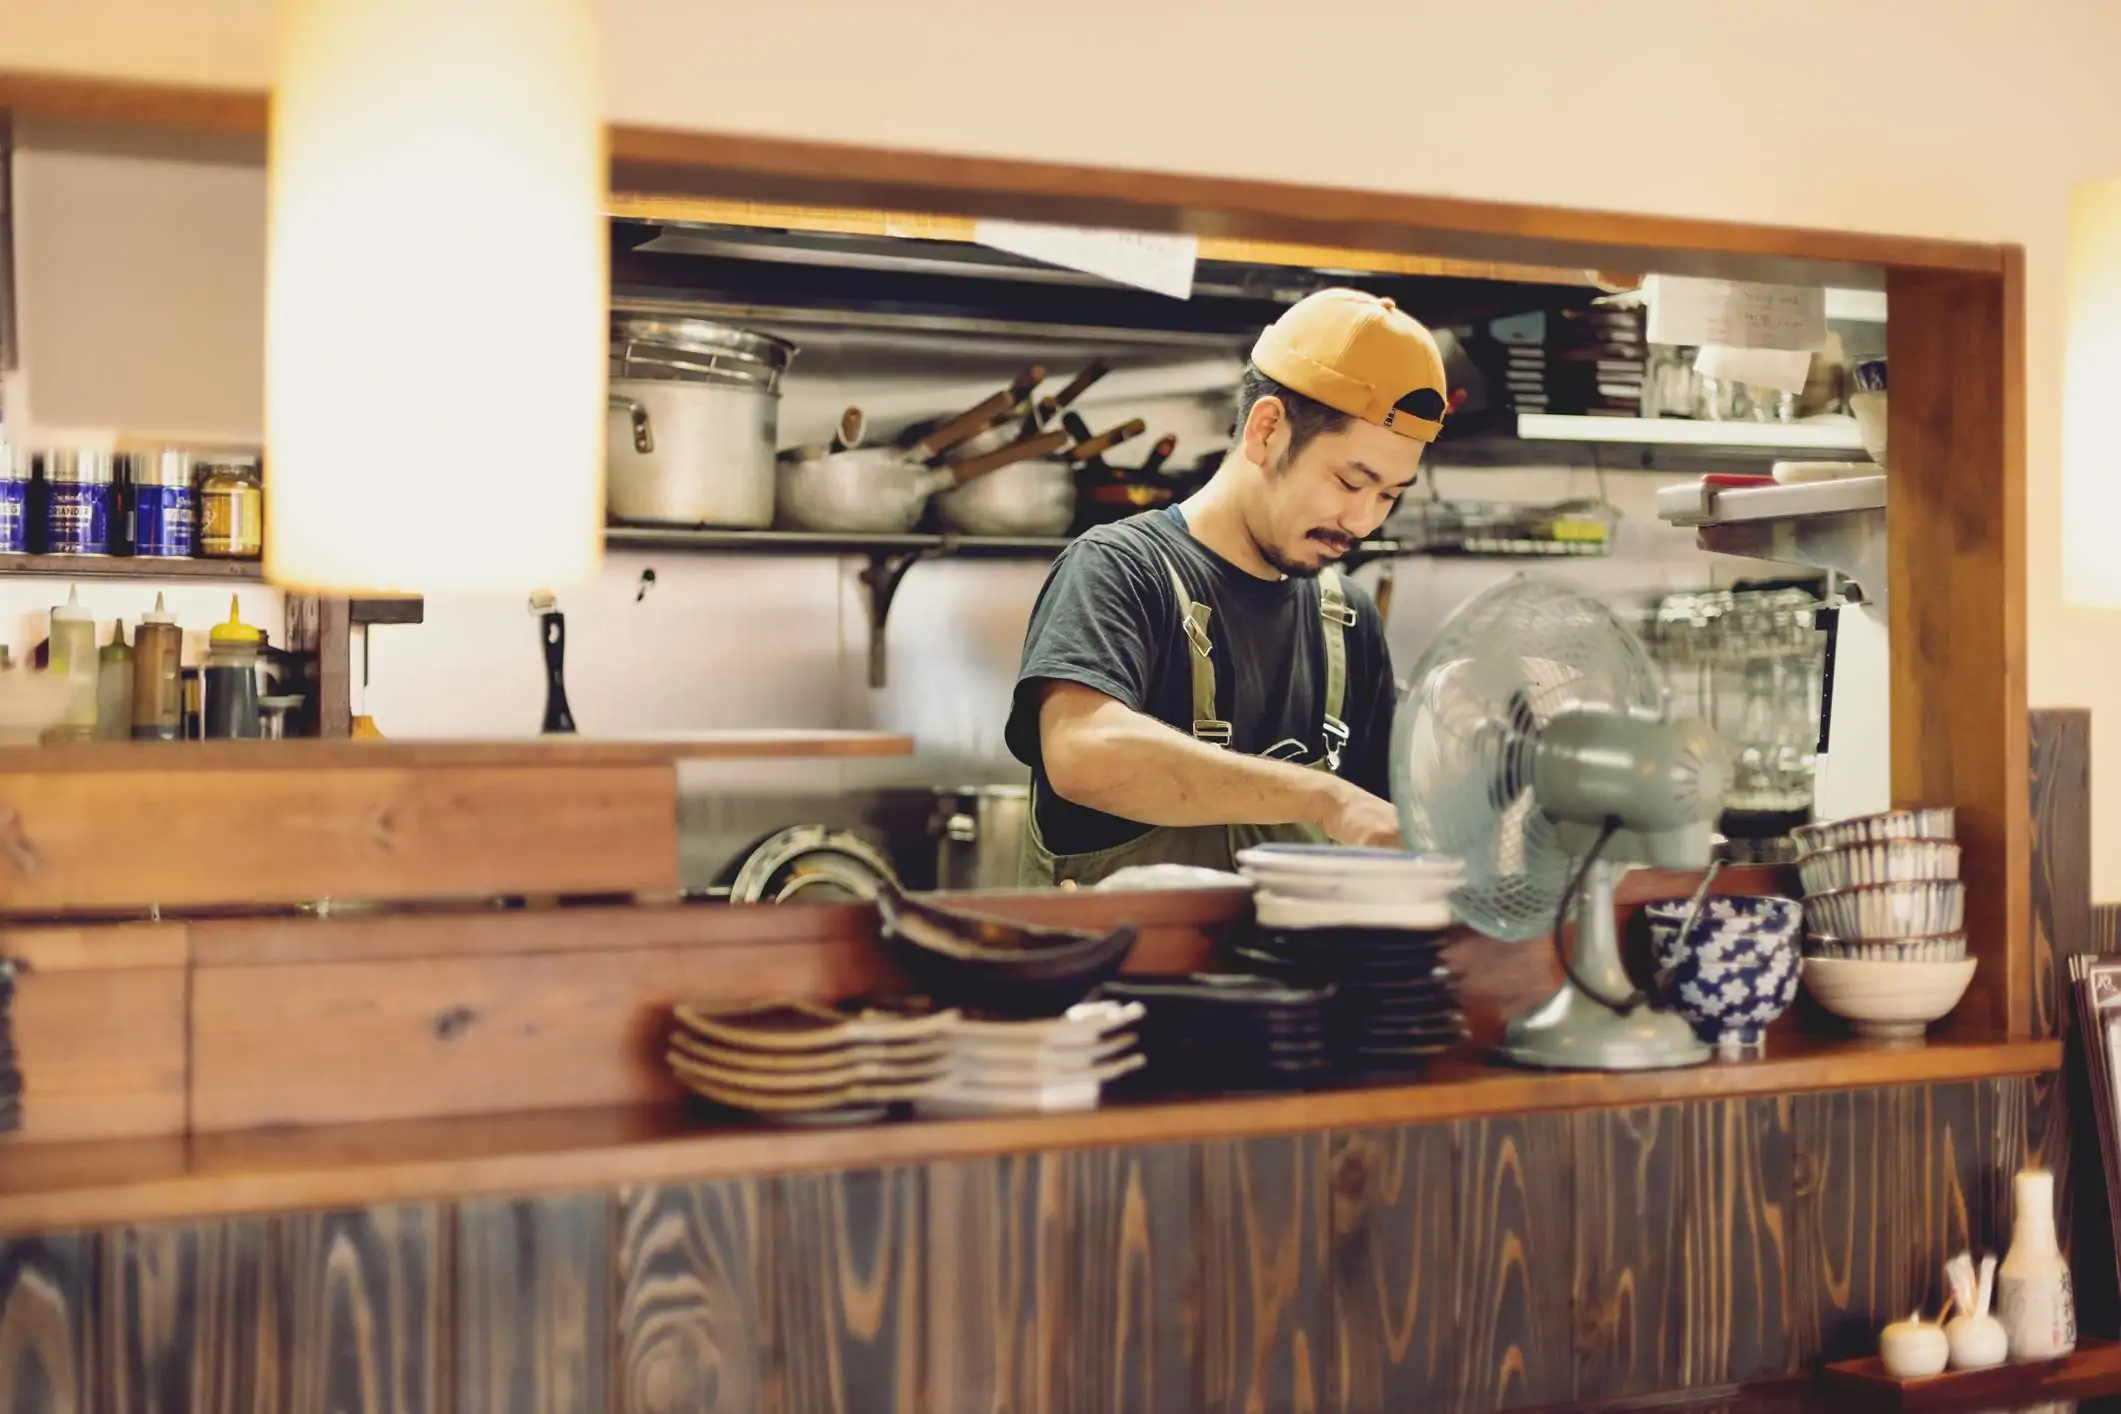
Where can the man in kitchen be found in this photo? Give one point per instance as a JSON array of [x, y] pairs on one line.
[[1200, 678]]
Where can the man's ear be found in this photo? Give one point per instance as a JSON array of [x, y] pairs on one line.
[[1266, 418]]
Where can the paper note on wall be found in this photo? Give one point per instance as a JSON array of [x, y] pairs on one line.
[[1147, 260], [1733, 314]]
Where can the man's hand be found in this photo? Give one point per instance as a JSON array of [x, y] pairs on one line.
[[1360, 818]]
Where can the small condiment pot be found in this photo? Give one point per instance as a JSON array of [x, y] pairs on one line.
[[1976, 1342], [1913, 1349]]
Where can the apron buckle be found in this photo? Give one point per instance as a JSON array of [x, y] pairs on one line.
[[1336, 734], [1212, 731], [1338, 612]]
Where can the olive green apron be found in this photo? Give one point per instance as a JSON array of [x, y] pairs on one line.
[[1208, 846]]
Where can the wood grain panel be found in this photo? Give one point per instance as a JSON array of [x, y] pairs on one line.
[[102, 1053], [1133, 1299], [1513, 1204], [1735, 1302], [2061, 856], [361, 1310], [293, 836], [1955, 557], [844, 1292], [48, 1333], [1889, 1184], [191, 1320], [532, 1306], [1264, 1333], [997, 1259], [477, 1035], [1391, 1278], [691, 1338], [1631, 1220]]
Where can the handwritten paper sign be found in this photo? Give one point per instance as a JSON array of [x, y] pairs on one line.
[[1162, 263], [1684, 310]]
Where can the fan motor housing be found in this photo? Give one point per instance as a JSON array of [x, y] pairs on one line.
[[1594, 765]]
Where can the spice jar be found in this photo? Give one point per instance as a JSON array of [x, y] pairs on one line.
[[230, 711], [77, 502], [158, 698], [165, 506], [231, 509]]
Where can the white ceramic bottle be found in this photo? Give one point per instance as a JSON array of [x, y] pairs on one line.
[[2033, 1296]]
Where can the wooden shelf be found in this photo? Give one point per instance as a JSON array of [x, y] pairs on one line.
[[54, 1186], [1794, 439], [311, 755], [128, 567]]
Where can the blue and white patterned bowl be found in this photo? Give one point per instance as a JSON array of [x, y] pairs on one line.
[[1736, 970]]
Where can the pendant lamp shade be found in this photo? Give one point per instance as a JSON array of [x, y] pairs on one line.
[[2091, 412], [436, 297]]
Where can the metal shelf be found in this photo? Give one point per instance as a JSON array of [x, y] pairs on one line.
[[1836, 434]]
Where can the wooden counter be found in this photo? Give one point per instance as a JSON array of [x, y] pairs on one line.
[[79, 1185]]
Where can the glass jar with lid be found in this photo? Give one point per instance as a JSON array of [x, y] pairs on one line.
[[231, 508]]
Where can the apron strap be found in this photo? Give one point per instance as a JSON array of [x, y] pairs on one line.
[[1339, 617], [1207, 726]]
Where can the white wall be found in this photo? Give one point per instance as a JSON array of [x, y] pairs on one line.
[[1971, 120]]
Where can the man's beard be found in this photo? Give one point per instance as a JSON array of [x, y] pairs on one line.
[[1282, 562], [1279, 560]]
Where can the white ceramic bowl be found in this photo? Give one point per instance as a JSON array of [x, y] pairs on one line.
[[1931, 823], [1878, 862], [1887, 999], [1884, 912], [1949, 948]]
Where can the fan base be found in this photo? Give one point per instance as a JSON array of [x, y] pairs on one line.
[[1569, 1031]]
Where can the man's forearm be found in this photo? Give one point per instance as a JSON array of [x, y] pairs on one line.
[[1119, 761]]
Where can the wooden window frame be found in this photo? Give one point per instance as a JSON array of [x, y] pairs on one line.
[[1955, 518]]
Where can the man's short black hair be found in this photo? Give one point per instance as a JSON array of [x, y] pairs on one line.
[[1308, 417]]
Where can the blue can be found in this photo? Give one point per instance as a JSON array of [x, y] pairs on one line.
[[14, 507], [77, 503], [165, 506]]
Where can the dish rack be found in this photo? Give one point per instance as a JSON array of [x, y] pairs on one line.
[[1440, 527]]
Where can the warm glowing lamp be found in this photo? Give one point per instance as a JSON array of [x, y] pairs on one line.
[[436, 296], [2091, 399]]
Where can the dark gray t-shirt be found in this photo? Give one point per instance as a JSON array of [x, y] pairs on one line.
[[1109, 619]]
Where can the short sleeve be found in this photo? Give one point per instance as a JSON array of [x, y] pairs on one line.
[[1102, 620]]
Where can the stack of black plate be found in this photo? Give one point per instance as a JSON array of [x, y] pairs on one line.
[[1394, 1003], [1203, 1034]]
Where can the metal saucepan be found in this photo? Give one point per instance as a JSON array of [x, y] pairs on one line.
[[695, 409], [879, 490], [1034, 498]]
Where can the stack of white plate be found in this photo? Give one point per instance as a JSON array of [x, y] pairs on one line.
[[1036, 1067], [1379, 888]]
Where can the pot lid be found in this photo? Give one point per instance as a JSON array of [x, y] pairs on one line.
[[703, 338]]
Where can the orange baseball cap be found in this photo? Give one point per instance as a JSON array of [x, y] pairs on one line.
[[1360, 355]]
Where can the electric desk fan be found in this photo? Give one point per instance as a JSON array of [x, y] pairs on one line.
[[1534, 741]]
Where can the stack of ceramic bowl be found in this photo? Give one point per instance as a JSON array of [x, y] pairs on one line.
[[801, 1063], [1203, 1034], [1886, 912], [1369, 924], [1037, 1067]]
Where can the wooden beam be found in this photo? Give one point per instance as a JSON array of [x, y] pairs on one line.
[[660, 162], [1955, 555], [115, 840]]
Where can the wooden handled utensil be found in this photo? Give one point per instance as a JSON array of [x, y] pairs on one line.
[[1105, 441]]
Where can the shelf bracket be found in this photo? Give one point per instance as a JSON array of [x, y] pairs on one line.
[[881, 579]]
